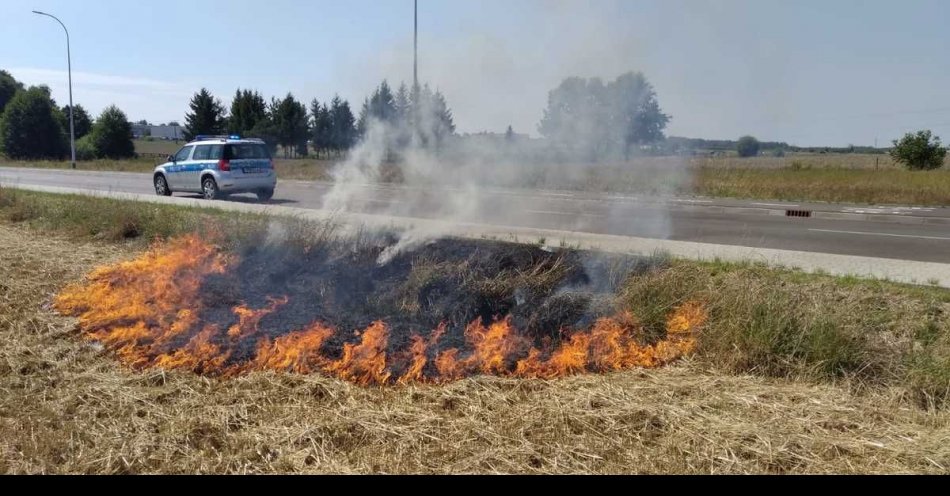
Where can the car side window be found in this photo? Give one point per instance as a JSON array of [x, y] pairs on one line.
[[183, 154], [202, 153], [216, 152]]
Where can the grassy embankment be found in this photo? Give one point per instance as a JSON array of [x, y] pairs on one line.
[[793, 373]]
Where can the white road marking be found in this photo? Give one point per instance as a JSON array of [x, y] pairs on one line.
[[888, 210], [881, 234], [774, 205], [384, 202], [571, 214], [691, 201]]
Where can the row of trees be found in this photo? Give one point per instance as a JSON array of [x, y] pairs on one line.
[[585, 117], [32, 126], [285, 122], [419, 116]]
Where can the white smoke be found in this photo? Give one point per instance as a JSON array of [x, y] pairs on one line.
[[475, 180]]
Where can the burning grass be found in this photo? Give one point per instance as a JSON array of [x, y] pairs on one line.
[[187, 305]]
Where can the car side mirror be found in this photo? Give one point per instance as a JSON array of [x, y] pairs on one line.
[[171, 158]]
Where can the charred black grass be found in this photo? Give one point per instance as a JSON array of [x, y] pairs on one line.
[[448, 282]]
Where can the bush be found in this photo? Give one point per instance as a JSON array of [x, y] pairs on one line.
[[85, 148], [747, 146], [112, 135], [919, 151], [30, 127]]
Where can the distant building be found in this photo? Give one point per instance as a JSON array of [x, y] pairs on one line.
[[158, 132]]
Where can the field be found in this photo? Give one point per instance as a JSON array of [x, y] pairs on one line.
[[792, 373], [156, 147], [846, 178]]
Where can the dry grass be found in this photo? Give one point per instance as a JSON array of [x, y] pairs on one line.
[[833, 184], [142, 164], [67, 407], [157, 146], [792, 325], [801, 161]]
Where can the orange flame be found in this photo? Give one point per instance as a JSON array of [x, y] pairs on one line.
[[148, 311], [295, 352], [364, 362]]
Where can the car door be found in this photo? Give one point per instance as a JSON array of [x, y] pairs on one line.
[[176, 171], [200, 160]]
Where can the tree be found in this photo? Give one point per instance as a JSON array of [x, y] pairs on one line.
[[598, 119], [112, 134], [443, 124], [31, 128], [321, 127], [290, 119], [402, 104], [344, 126], [8, 87], [343, 134], [301, 130], [748, 146], [431, 117], [637, 115], [382, 105], [82, 124], [403, 117], [207, 116], [247, 109], [266, 130], [919, 151], [510, 134], [362, 124]]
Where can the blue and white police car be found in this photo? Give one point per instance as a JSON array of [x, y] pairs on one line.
[[217, 166]]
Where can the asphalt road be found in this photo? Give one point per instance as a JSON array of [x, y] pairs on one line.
[[896, 232]]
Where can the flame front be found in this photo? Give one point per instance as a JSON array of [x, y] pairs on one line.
[[148, 312]]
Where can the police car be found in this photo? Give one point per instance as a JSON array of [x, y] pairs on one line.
[[217, 166]]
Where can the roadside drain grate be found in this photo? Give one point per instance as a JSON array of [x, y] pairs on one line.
[[798, 213]]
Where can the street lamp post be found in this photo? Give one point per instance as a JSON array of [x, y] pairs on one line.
[[69, 65], [415, 44]]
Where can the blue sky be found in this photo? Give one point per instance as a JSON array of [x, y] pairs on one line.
[[833, 72]]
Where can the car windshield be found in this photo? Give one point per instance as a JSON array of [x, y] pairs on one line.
[[246, 151]]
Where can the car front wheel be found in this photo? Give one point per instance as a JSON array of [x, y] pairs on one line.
[[161, 186], [209, 189]]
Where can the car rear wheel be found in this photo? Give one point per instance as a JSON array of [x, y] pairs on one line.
[[209, 189], [161, 186], [265, 194]]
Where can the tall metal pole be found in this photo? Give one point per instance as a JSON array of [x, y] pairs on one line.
[[69, 66], [415, 45]]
